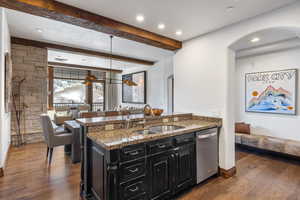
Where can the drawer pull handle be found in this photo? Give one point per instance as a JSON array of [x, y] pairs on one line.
[[161, 146], [133, 153], [134, 170], [134, 189]]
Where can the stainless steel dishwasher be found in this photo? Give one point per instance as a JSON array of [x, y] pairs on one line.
[[207, 154]]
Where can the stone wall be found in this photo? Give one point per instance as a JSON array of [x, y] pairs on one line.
[[30, 63]]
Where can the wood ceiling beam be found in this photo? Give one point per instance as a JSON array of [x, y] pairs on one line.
[[65, 13], [35, 43], [66, 65]]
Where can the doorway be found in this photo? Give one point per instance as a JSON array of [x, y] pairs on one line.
[[170, 93]]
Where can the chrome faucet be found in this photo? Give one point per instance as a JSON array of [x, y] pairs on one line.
[[128, 121], [127, 124]]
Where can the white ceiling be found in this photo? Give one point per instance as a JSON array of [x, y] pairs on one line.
[[270, 48], [267, 36], [193, 17], [24, 25], [85, 60], [274, 39]]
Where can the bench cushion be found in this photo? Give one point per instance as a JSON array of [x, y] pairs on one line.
[[293, 148]]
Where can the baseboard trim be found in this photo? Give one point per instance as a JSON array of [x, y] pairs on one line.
[[1, 172], [30, 138], [227, 173], [268, 152]]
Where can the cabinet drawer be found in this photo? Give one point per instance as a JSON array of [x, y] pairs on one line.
[[132, 152], [159, 146], [140, 197], [132, 189], [132, 170], [184, 139]]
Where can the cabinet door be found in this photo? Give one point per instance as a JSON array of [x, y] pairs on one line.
[[185, 175], [96, 174], [160, 174]]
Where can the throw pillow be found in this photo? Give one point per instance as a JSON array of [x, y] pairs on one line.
[[242, 127]]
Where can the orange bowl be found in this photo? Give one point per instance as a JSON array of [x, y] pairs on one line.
[[157, 112]]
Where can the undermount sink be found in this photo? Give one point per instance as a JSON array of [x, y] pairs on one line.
[[164, 128], [159, 129], [145, 132]]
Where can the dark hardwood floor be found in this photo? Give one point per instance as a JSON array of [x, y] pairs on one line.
[[259, 177]]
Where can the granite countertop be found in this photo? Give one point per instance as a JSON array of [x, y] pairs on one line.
[[118, 138], [96, 121]]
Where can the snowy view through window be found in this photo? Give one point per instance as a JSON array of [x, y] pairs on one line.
[[98, 92], [69, 91]]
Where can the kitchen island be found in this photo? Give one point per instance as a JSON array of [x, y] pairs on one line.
[[128, 158]]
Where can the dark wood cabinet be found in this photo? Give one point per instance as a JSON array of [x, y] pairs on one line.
[[140, 197], [97, 172], [132, 170], [185, 164], [159, 146], [153, 170], [133, 188], [132, 152], [160, 175]]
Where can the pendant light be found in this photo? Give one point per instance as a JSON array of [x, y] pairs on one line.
[[117, 81], [90, 78]]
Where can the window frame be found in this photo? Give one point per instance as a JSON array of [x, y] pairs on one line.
[[89, 89], [104, 92]]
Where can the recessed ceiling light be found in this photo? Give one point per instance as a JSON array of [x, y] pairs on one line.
[[161, 26], [255, 39], [229, 8], [179, 32], [140, 18], [39, 30]]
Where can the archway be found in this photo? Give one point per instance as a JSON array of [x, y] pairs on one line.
[[206, 64], [269, 49]]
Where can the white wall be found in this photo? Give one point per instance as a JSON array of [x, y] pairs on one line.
[[204, 69], [157, 76], [281, 126], [4, 117]]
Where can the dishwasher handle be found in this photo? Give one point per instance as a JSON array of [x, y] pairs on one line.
[[207, 135]]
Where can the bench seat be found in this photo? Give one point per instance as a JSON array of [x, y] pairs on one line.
[[279, 145]]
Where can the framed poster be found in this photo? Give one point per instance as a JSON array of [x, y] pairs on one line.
[[272, 92], [7, 82], [135, 94]]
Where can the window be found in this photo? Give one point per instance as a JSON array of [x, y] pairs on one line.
[[68, 91], [98, 96]]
